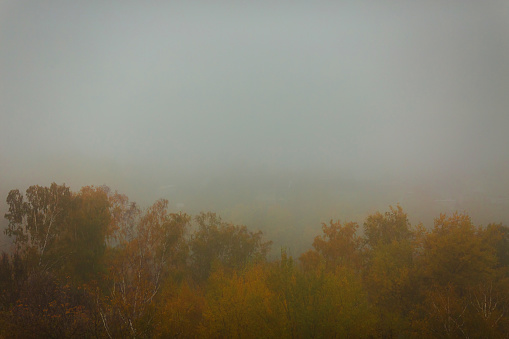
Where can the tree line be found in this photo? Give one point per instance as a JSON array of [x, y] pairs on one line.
[[94, 264]]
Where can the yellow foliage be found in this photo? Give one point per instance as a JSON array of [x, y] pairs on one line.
[[239, 306]]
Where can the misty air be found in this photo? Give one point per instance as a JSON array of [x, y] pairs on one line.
[[210, 170]]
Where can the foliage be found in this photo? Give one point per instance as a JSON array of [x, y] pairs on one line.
[[224, 244], [454, 252], [84, 238], [320, 303], [180, 311], [94, 264], [339, 246], [380, 229], [49, 308], [36, 221], [139, 265], [239, 305]]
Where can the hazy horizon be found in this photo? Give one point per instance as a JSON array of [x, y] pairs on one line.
[[146, 97]]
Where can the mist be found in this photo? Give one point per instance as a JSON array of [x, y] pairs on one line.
[[276, 116]]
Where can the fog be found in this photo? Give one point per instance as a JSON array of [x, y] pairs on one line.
[[276, 116]]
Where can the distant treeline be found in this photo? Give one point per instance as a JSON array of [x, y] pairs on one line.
[[93, 264]]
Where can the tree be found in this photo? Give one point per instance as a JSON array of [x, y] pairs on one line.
[[36, 222], [228, 245], [497, 236], [389, 268], [390, 282], [85, 235], [6, 282], [124, 217], [180, 311], [454, 252], [140, 262], [239, 305], [47, 308], [385, 228], [461, 281], [489, 306], [319, 303], [339, 246], [446, 314]]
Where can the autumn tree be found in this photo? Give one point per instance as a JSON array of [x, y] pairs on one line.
[[225, 244], [281, 279], [240, 305], [385, 228], [48, 307], [338, 246], [59, 241], [454, 252], [180, 311], [124, 217], [139, 263], [36, 221], [390, 281], [94, 264], [497, 236], [320, 303], [388, 274], [84, 238], [464, 293], [446, 314]]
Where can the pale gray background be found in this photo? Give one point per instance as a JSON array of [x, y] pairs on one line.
[[150, 96]]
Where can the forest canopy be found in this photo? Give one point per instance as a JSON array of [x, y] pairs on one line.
[[93, 263]]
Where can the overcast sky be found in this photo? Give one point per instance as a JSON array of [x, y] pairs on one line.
[[94, 90]]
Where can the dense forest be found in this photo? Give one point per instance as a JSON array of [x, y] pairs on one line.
[[94, 264]]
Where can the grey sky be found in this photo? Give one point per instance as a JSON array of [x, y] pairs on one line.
[[94, 91]]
